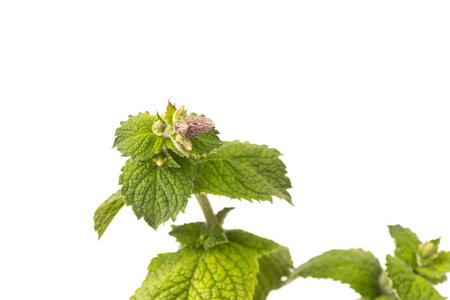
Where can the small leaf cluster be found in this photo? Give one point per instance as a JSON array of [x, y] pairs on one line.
[[410, 273]]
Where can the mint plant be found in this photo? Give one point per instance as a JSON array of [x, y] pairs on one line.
[[176, 155]]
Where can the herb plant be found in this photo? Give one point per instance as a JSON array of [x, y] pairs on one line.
[[177, 154]]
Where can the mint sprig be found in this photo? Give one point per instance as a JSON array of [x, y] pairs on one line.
[[177, 154], [407, 284]]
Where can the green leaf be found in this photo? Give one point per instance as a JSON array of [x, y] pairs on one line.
[[106, 212], [407, 284], [436, 272], [170, 111], [189, 235], [216, 236], [273, 268], [136, 138], [385, 298], [221, 215], [356, 267], [205, 143], [243, 171], [156, 193], [406, 244], [225, 271]]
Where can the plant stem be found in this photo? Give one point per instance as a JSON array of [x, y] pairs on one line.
[[210, 216]]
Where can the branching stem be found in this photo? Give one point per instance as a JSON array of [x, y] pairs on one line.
[[210, 216]]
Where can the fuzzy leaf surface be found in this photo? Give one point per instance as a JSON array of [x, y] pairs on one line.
[[243, 171], [205, 143], [136, 138], [106, 212], [407, 284], [225, 271], [156, 193], [359, 268], [406, 244]]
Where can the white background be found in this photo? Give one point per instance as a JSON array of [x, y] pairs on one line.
[[355, 94]]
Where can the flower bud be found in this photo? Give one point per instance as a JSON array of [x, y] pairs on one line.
[[427, 254], [427, 249], [180, 147], [159, 159], [198, 125], [181, 127], [158, 127], [180, 114], [187, 144]]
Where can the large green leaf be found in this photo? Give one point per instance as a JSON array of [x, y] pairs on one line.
[[407, 284], [243, 171], [136, 138], [224, 271], [359, 268], [106, 212], [156, 193]]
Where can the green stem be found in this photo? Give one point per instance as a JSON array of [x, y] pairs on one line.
[[211, 218]]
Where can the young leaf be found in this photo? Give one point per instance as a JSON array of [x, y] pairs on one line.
[[190, 234], [436, 271], [273, 268], [356, 267], [136, 138], [221, 215], [106, 212], [407, 284], [406, 244], [216, 236], [156, 193], [243, 171], [170, 111]]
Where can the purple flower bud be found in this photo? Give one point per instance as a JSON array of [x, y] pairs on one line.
[[198, 125], [181, 127]]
